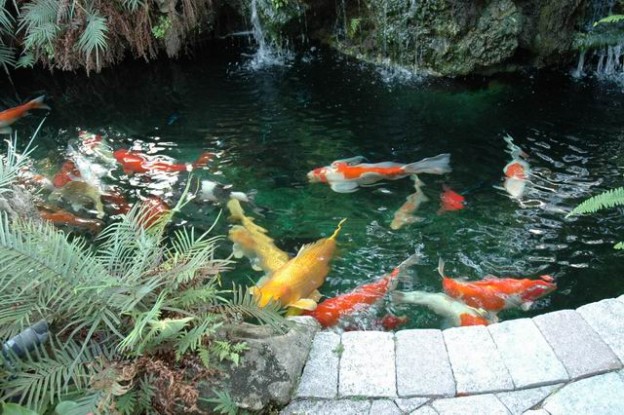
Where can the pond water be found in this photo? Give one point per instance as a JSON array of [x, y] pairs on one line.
[[272, 126]]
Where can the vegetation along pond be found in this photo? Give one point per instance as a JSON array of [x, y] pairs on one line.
[[270, 126]]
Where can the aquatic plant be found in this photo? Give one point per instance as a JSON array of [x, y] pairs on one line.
[[134, 318], [608, 199]]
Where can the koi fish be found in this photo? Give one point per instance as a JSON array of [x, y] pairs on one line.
[[135, 162], [296, 282], [517, 171], [66, 174], [390, 322], [219, 193], [495, 294], [404, 215], [116, 202], [79, 195], [345, 176], [454, 311], [9, 116], [331, 310], [154, 209], [91, 144], [252, 241], [450, 200], [64, 218]]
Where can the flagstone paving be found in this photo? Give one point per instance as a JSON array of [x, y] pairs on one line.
[[565, 362]]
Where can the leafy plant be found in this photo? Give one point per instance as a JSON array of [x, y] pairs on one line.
[[614, 18], [125, 314], [160, 30], [608, 199], [224, 403]]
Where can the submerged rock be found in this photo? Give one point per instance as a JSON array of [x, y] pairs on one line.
[[18, 203]]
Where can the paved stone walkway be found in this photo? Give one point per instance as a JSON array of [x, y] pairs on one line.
[[565, 362]]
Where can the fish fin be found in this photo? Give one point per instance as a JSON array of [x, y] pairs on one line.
[[255, 266], [490, 277], [262, 281], [350, 161], [439, 164], [370, 178], [237, 251], [441, 267], [304, 304], [526, 306], [254, 290], [316, 295], [6, 130], [39, 104], [291, 312], [343, 187]]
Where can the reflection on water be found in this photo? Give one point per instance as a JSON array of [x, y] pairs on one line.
[[269, 128]]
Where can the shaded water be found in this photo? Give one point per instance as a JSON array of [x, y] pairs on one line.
[[273, 126]]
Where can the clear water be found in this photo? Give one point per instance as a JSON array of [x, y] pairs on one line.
[[274, 125]]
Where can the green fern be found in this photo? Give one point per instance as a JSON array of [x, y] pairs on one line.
[[224, 404], [243, 303], [608, 199], [94, 38], [133, 5], [614, 18]]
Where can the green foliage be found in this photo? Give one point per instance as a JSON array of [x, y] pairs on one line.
[[133, 5], [614, 18], [159, 31], [114, 308], [223, 403], [15, 409], [94, 37], [608, 199], [354, 27]]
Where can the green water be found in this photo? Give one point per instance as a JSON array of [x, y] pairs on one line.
[[272, 126]]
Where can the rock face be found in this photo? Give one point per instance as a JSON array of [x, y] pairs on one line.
[[451, 37], [18, 203], [272, 366]]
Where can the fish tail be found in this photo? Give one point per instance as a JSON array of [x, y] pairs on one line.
[[412, 297], [203, 160], [38, 103], [337, 231], [440, 164]]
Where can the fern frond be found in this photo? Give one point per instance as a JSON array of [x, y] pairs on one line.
[[12, 162], [619, 245], [133, 5], [7, 57], [608, 199], [614, 18], [243, 304], [94, 38], [27, 60], [37, 13], [6, 19], [224, 403], [192, 339]]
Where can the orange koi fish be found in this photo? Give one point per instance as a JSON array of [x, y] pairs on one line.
[[135, 162], [8, 117], [517, 171], [390, 322], [450, 200], [331, 310], [454, 311], [495, 294], [64, 218], [116, 202], [296, 282], [347, 175], [66, 174], [405, 214]]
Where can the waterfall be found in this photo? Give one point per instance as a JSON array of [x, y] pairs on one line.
[[267, 54]]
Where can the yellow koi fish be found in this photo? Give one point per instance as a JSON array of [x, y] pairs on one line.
[[251, 240], [295, 284], [405, 214]]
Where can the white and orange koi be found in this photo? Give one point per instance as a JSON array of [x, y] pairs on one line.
[[405, 214]]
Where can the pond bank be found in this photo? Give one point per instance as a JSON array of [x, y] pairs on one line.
[[510, 367]]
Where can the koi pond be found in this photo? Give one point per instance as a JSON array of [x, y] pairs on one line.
[[271, 126]]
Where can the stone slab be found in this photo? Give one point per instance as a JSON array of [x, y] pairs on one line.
[[526, 353], [367, 365], [473, 405], [517, 402], [536, 412], [606, 317], [576, 344], [409, 404], [422, 364], [385, 407], [598, 395], [320, 374], [327, 407], [477, 365], [424, 410]]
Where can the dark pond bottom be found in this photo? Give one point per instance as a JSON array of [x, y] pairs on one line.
[[272, 126]]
